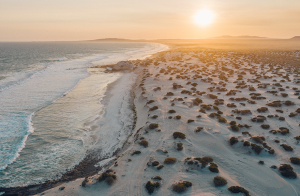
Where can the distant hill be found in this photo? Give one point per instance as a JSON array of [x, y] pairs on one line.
[[113, 40], [239, 37], [296, 38]]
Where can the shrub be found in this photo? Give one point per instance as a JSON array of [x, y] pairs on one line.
[[153, 125], [234, 128], [154, 116], [286, 147], [233, 140], [238, 189], [181, 186], [295, 160], [157, 178], [179, 146], [261, 162], [151, 101], [232, 123], [257, 148], [170, 160], [190, 120], [213, 168], [220, 181], [159, 167], [172, 111], [143, 143], [207, 159], [265, 126], [222, 120], [258, 139], [136, 152], [198, 129], [178, 117], [150, 186], [178, 135], [153, 108], [246, 143], [170, 94], [287, 171], [108, 177], [83, 184], [155, 163]]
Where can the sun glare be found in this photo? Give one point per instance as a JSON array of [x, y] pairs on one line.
[[204, 17]]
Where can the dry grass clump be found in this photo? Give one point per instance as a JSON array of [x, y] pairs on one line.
[[213, 168], [238, 189], [178, 135], [170, 160], [143, 143], [295, 160], [179, 147], [287, 171], [233, 140], [286, 147], [151, 186], [181, 186], [109, 177], [153, 125], [219, 181]]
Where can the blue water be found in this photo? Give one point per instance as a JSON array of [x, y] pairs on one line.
[[46, 96]]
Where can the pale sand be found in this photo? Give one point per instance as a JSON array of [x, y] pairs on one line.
[[238, 164]]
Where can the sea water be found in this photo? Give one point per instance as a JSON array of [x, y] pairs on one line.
[[48, 96]]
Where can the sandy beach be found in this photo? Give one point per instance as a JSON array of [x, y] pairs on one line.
[[234, 115]]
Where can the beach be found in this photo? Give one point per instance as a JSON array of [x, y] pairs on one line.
[[217, 114]]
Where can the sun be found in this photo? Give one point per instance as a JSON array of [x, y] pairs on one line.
[[204, 17]]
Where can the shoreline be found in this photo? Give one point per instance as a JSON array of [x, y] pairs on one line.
[[87, 166]]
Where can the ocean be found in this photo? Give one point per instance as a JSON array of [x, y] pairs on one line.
[[50, 105]]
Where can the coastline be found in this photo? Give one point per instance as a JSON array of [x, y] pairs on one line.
[[90, 164]]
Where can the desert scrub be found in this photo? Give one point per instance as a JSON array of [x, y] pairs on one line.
[[198, 129], [181, 186], [159, 167], [178, 135], [136, 152], [108, 177], [179, 147], [222, 120], [178, 117], [219, 181], [154, 116], [235, 127], [143, 143], [153, 108], [170, 160], [169, 94], [258, 139], [257, 148], [295, 160], [172, 111], [286, 147], [190, 120], [151, 101], [213, 168], [150, 186], [207, 159], [238, 189], [153, 125], [287, 171], [233, 140], [265, 126], [157, 178]]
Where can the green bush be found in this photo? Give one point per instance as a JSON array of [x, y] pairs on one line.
[[178, 135], [238, 189], [159, 167], [234, 128], [179, 147], [295, 160], [143, 143], [233, 140], [181, 186], [220, 181], [213, 168], [170, 160], [190, 120], [150, 186], [287, 171], [153, 125]]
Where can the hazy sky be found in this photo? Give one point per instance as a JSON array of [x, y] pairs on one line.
[[48, 20]]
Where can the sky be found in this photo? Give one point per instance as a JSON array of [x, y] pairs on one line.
[[70, 20]]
